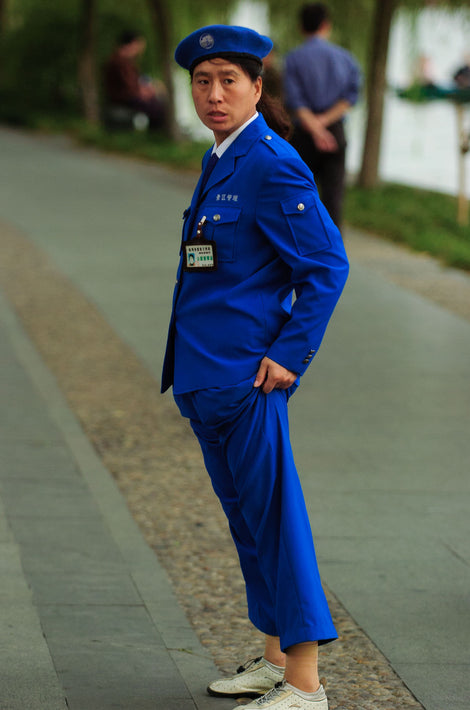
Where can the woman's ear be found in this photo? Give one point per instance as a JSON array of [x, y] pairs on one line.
[[259, 88]]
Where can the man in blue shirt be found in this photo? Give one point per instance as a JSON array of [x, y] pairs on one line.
[[321, 84]]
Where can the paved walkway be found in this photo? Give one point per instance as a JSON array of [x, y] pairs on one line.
[[388, 451], [88, 619]]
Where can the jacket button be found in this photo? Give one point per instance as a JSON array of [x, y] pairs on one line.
[[306, 361], [301, 206], [216, 217]]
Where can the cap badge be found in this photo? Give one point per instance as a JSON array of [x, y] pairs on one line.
[[206, 41]]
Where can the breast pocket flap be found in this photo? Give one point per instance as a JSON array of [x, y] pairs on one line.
[[306, 217], [225, 215]]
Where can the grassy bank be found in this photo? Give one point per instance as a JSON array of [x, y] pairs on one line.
[[424, 220], [185, 155]]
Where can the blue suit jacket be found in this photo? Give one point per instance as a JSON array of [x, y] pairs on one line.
[[273, 237]]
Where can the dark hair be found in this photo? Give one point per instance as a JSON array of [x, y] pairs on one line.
[[313, 15], [272, 109], [127, 37], [275, 115]]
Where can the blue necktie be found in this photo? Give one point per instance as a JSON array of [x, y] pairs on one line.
[[210, 165], [207, 171]]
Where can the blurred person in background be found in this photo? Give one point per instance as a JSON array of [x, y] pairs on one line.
[[124, 85], [462, 75], [321, 84]]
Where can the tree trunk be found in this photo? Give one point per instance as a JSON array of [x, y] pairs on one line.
[[162, 27], [376, 84], [87, 78], [3, 29], [463, 148], [3, 17]]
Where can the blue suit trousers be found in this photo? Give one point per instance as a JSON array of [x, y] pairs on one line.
[[244, 437]]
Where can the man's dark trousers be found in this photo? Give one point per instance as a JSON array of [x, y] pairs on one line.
[[328, 168]]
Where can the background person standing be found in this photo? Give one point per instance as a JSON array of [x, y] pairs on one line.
[[321, 84]]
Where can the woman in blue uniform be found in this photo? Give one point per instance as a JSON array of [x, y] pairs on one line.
[[255, 233]]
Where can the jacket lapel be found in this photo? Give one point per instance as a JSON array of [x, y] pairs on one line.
[[227, 163]]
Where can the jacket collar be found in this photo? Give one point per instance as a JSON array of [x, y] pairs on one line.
[[226, 164]]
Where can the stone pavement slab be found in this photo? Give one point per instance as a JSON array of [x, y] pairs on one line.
[[88, 619], [28, 675]]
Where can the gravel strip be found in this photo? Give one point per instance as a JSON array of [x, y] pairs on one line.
[[156, 462]]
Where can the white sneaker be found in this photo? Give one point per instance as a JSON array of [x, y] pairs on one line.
[[285, 697], [250, 681]]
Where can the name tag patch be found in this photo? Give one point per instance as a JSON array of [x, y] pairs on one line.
[[199, 256]]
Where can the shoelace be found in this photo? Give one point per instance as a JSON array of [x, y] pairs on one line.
[[272, 694], [248, 664]]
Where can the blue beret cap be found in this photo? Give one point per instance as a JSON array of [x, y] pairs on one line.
[[219, 40]]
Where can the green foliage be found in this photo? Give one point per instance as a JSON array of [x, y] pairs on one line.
[[40, 53], [424, 220], [39, 65], [40, 50]]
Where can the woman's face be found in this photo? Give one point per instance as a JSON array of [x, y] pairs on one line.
[[224, 96]]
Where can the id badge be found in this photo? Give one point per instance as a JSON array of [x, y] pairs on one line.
[[200, 254]]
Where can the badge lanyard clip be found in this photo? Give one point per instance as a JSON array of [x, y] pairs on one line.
[[199, 253]]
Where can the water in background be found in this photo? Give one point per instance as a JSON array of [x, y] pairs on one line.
[[420, 141]]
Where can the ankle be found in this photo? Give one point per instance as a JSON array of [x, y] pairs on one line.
[[276, 659], [318, 693], [302, 667], [272, 651], [276, 665], [305, 685]]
